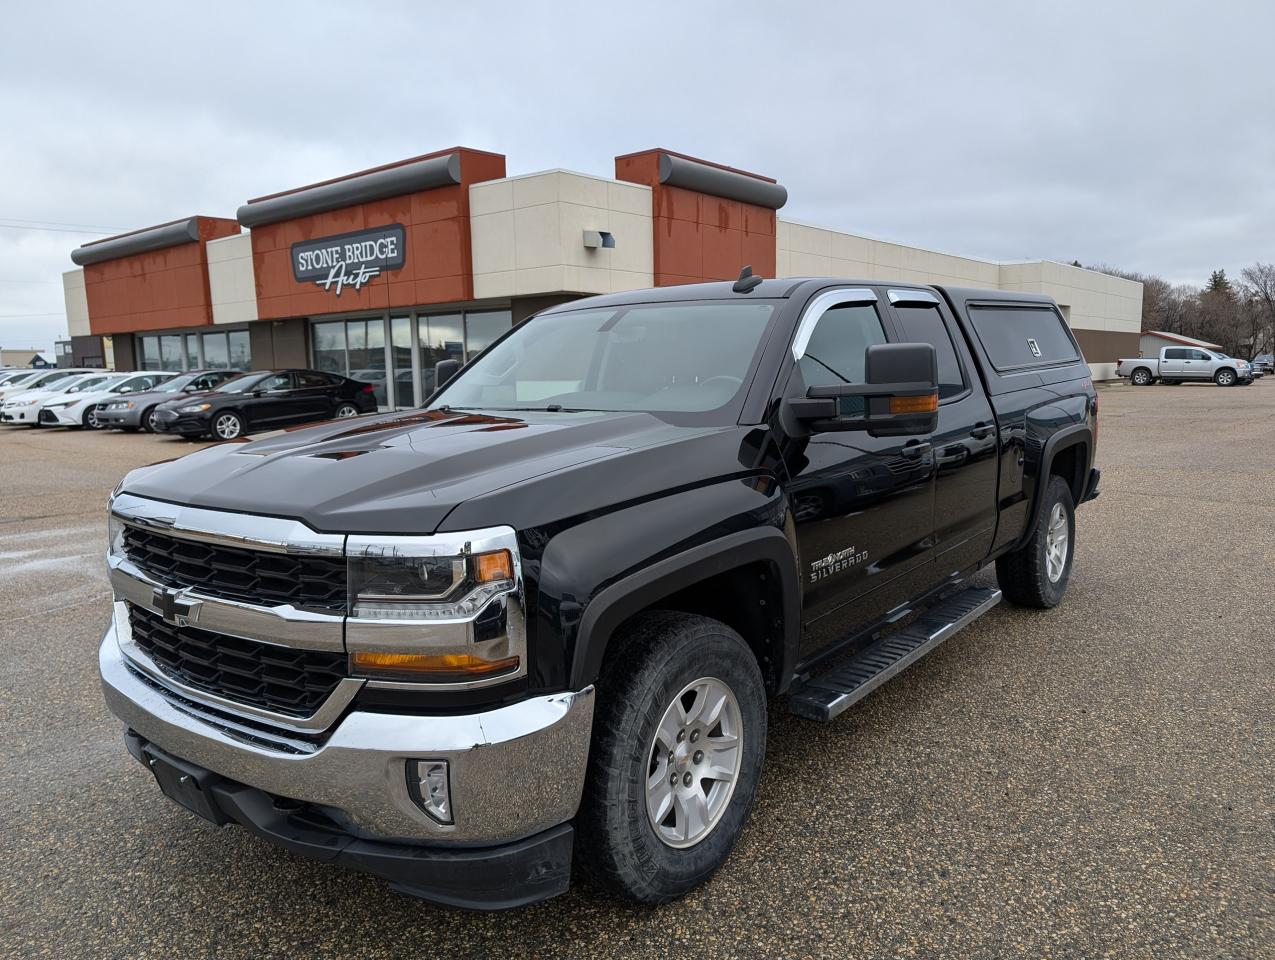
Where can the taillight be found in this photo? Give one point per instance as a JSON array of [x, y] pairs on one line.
[[369, 389]]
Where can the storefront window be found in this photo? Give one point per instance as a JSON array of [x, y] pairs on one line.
[[442, 338], [240, 350], [149, 359], [192, 352], [170, 353], [401, 357], [483, 329], [329, 347], [216, 357]]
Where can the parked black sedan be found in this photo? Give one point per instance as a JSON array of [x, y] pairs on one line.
[[264, 399]]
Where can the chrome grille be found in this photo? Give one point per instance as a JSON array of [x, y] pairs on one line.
[[282, 679], [232, 573]]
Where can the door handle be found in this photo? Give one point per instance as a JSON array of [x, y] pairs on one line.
[[916, 448], [981, 430]]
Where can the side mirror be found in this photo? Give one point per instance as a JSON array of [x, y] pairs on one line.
[[444, 370], [899, 399]]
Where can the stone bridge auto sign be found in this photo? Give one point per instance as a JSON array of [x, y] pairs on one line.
[[349, 259]]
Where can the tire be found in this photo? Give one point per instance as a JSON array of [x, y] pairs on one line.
[[90, 420], [1029, 577], [144, 422], [1141, 377], [659, 660], [1224, 377], [227, 425], [346, 410]]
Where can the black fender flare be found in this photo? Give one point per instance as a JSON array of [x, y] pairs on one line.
[[1076, 435], [611, 606]]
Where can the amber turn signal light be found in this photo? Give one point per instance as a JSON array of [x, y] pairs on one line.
[[928, 403], [443, 665], [497, 565]]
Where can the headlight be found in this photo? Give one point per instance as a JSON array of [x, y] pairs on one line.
[[114, 534], [20, 403], [427, 588], [195, 408], [121, 405], [435, 611]]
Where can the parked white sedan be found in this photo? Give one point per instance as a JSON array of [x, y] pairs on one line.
[[78, 405], [41, 380], [24, 407]]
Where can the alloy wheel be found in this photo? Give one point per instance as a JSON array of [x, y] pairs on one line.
[[227, 426], [694, 762], [346, 410], [1057, 543]]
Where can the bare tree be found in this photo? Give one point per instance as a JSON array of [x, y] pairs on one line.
[[1258, 286]]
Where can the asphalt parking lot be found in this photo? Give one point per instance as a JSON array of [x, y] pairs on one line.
[[1098, 780]]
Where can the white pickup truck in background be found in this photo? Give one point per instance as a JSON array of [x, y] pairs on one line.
[[1179, 364]]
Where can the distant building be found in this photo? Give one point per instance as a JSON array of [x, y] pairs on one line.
[[22, 358], [1153, 340]]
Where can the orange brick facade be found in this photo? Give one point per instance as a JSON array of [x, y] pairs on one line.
[[699, 237], [438, 266], [158, 290]]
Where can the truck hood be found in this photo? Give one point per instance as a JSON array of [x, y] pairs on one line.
[[405, 472]]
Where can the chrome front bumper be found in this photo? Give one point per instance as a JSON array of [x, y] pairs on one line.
[[514, 770]]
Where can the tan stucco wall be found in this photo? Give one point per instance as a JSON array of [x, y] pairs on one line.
[[77, 303], [231, 282], [527, 235]]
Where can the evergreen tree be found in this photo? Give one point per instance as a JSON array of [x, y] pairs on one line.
[[1218, 282]]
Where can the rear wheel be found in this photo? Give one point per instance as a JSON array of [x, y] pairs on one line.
[[678, 741], [1141, 377], [1224, 378], [228, 425], [347, 410], [1036, 574]]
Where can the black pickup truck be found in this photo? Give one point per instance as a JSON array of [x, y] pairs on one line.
[[541, 620]]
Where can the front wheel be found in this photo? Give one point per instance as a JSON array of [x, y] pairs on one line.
[[91, 422], [1036, 574], [228, 425], [1224, 378], [147, 420], [678, 741]]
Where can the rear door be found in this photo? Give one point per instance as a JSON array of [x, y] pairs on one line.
[[272, 402], [965, 444], [863, 506], [1171, 365], [316, 393]]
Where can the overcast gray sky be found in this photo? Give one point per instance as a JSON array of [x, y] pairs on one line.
[[1140, 135]]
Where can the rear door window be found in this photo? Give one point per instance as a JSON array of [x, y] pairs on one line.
[[1017, 336], [1175, 353], [922, 323]]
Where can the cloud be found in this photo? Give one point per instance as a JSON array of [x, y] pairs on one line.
[[1125, 134]]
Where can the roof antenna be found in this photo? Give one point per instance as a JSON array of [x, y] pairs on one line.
[[747, 282]]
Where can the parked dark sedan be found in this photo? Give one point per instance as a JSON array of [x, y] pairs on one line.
[[264, 399], [138, 409]]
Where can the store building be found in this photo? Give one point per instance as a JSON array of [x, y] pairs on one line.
[[381, 274]]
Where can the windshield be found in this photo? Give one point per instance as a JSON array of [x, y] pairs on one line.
[[657, 358], [241, 384], [85, 383], [177, 384]]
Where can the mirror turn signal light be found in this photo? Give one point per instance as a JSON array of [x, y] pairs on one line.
[[444, 666], [497, 565], [929, 403]]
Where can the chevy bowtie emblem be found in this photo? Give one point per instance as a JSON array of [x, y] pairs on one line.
[[174, 608]]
